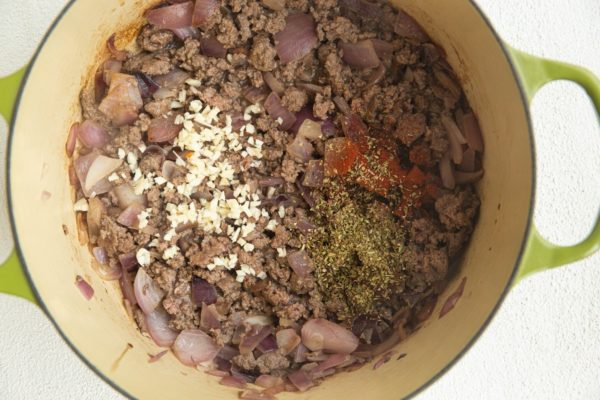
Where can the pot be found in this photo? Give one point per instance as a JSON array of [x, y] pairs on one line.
[[499, 82]]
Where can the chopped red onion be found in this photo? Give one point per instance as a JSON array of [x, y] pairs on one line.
[[186, 32], [252, 338], [342, 105], [406, 26], [100, 86], [258, 320], [297, 39], [209, 317], [305, 113], [127, 261], [146, 85], [163, 129], [172, 79], [377, 75], [211, 47], [453, 298], [300, 149], [304, 225], [157, 323], [463, 178], [300, 354], [129, 216], [305, 192], [384, 50], [455, 138], [86, 290], [268, 344], [126, 196], [100, 168], [287, 340], [123, 101], [193, 347], [111, 271], [109, 68], [233, 381], [468, 161], [273, 83], [321, 334], [235, 371], [268, 381], [100, 255], [314, 174], [119, 55], [328, 128], [154, 358], [204, 10], [255, 95], [301, 380], [360, 55], [446, 172], [172, 17], [310, 129], [301, 263], [276, 110], [147, 292], [472, 132], [72, 139], [203, 292], [309, 87], [92, 135], [228, 352]]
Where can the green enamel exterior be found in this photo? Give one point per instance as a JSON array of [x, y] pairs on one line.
[[12, 277], [534, 73]]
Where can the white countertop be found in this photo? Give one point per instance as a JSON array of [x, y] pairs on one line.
[[544, 341]]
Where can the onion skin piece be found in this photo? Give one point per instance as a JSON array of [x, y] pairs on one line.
[[129, 216], [253, 338], [463, 178], [301, 380], [119, 55], [172, 17], [126, 196], [193, 347], [446, 172], [233, 381], [72, 139], [268, 381], [300, 149], [453, 298], [360, 55], [203, 292], [297, 39], [472, 132], [321, 334], [314, 175], [184, 33], [287, 340], [86, 290], [405, 26]]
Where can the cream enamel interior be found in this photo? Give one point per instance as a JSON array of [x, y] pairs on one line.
[[101, 330]]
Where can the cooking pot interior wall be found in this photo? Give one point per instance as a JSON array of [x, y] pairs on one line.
[[100, 328]]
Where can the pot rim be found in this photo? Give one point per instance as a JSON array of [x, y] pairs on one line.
[[420, 389]]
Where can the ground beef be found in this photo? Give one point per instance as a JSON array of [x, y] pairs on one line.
[[401, 102], [263, 54]]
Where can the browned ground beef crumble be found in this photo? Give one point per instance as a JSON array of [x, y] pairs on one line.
[[405, 106]]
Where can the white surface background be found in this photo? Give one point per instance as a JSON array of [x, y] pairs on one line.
[[544, 342]]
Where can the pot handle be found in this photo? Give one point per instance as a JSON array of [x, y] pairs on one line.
[[12, 277], [534, 73]]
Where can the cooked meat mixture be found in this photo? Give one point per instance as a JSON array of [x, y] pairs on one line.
[[282, 189]]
